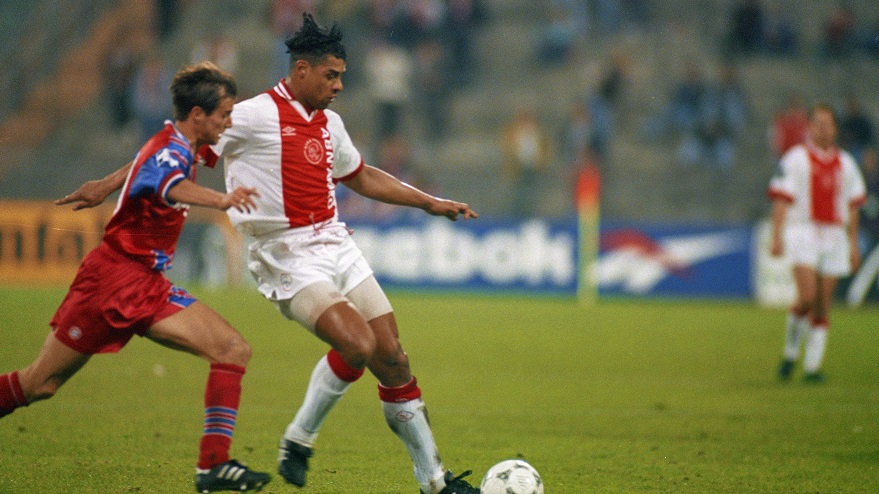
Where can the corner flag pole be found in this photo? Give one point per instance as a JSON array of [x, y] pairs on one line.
[[586, 198]]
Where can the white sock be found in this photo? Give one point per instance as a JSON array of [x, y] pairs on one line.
[[409, 422], [815, 349], [324, 390], [794, 331]]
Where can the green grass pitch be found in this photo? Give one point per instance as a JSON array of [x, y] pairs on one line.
[[623, 397]]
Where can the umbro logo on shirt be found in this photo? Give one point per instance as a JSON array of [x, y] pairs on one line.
[[288, 131]]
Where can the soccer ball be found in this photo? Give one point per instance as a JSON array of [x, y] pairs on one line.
[[512, 477]]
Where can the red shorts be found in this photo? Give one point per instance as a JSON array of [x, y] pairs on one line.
[[111, 299]]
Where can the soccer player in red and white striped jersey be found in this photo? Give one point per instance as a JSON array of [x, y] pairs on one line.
[[287, 145], [294, 150], [816, 196]]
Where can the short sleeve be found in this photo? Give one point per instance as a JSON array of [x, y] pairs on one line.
[[347, 160], [782, 185], [231, 140], [856, 189], [159, 173]]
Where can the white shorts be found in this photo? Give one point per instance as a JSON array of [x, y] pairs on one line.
[[327, 260], [822, 247]]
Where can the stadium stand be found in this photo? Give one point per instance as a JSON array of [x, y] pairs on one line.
[[641, 178]]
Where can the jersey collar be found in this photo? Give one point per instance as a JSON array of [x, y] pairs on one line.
[[179, 135], [822, 154], [284, 91]]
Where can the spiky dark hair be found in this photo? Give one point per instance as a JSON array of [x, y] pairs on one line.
[[313, 42]]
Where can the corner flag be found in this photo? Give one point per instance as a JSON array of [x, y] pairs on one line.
[[586, 199]]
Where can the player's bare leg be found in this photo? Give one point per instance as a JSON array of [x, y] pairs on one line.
[[358, 344], [199, 330], [799, 318], [817, 341], [54, 365], [825, 287], [806, 280], [343, 327], [405, 411], [390, 363]]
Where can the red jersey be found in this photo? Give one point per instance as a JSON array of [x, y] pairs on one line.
[[146, 224]]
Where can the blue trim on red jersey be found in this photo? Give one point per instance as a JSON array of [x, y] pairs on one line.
[[181, 297], [147, 224]]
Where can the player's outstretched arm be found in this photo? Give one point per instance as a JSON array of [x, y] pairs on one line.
[[188, 192], [381, 186], [93, 192]]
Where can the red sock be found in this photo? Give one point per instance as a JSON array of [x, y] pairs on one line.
[[221, 398], [11, 395], [341, 368], [401, 394]]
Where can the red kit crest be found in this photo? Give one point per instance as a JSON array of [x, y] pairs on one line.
[[314, 151]]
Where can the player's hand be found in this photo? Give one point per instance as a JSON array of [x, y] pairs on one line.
[[241, 199], [451, 210], [88, 195]]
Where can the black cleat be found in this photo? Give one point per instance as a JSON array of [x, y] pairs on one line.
[[455, 485], [230, 476], [813, 377], [785, 369], [293, 461]]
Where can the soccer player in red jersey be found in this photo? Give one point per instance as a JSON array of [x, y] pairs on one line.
[[120, 289], [287, 145], [816, 195]]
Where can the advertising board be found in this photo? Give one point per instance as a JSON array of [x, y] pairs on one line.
[[540, 256]]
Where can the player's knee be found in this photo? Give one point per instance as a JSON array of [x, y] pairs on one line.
[[804, 305], [235, 351], [820, 312], [391, 367], [358, 351], [393, 357]]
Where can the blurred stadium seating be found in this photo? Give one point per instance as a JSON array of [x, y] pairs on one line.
[[641, 180]]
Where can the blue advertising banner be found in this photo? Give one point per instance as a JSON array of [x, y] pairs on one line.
[[533, 256], [540, 256], [675, 261]]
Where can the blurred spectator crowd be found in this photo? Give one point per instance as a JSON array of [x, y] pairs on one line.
[[769, 27], [414, 56]]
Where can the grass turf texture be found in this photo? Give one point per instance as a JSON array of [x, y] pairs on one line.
[[623, 397]]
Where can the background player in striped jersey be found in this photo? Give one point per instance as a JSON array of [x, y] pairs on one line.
[[288, 146], [120, 289], [816, 194]]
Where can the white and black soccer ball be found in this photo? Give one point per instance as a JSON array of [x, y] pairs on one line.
[[512, 477]]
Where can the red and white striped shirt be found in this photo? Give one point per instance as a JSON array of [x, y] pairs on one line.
[[292, 157], [821, 185]]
